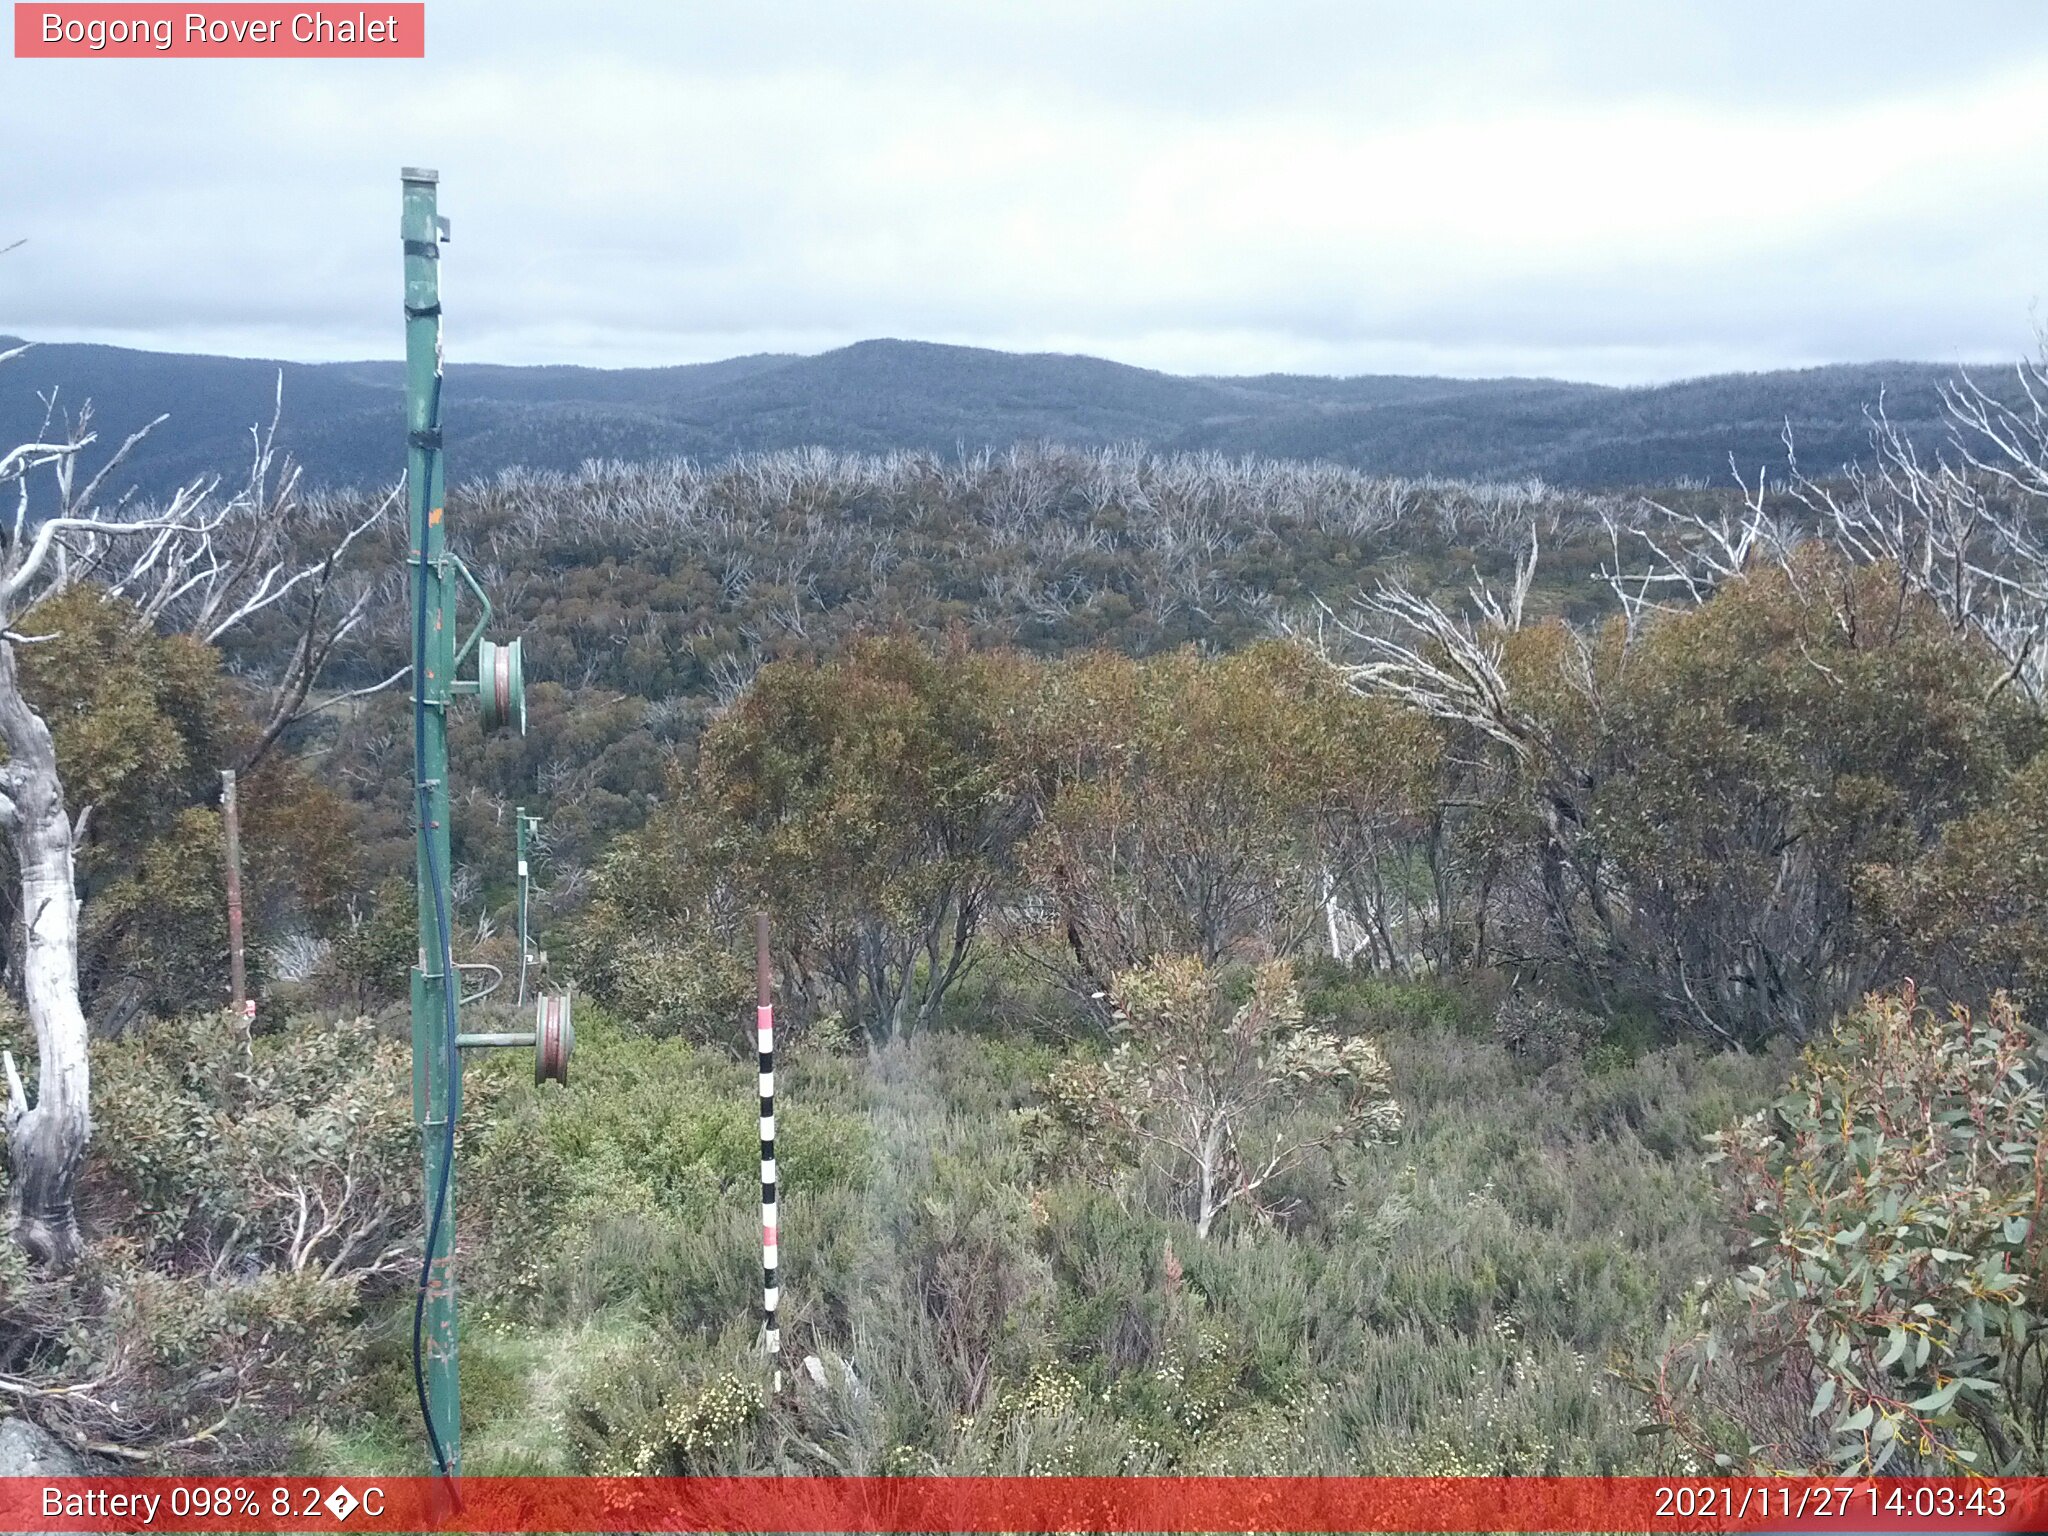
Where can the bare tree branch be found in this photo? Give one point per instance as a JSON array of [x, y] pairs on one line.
[[200, 563]]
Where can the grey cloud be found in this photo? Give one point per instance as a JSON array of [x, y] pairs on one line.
[[656, 183]]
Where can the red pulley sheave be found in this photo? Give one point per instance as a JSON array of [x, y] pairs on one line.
[[554, 1038], [501, 686]]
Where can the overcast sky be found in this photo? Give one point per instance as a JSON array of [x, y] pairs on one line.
[[1621, 192]]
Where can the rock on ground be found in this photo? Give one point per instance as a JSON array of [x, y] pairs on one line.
[[29, 1451]]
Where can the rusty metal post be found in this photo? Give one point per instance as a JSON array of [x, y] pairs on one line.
[[231, 822], [527, 959]]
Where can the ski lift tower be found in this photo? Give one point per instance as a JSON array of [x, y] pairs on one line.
[[437, 578]]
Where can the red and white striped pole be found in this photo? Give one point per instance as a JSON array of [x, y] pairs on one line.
[[764, 1024]]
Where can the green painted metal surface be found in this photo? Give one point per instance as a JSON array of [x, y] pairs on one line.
[[437, 1067]]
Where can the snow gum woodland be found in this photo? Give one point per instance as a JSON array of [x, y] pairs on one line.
[[1276, 969]]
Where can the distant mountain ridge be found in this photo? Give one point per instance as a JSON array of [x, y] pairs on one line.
[[342, 419]]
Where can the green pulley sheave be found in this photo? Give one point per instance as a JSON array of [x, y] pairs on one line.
[[501, 686]]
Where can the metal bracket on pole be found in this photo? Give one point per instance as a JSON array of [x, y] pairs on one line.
[[552, 1038], [500, 681], [497, 980], [483, 619]]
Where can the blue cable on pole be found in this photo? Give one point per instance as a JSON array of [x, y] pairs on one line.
[[444, 951]]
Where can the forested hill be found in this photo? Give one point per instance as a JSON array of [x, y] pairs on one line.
[[879, 395]]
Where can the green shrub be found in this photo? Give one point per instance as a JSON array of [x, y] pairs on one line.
[[621, 1188], [294, 1150], [688, 983], [1376, 1002], [1541, 1030], [695, 1428], [370, 960], [1891, 1312], [249, 1198], [1207, 1061], [1441, 1302]]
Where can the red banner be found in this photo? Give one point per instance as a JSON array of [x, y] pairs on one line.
[[973, 1504], [101, 31]]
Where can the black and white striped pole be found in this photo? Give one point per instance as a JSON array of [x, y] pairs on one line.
[[764, 1029]]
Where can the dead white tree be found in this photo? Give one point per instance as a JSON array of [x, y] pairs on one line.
[[1444, 665], [1692, 555], [1961, 527], [198, 560], [1403, 645], [1960, 530], [282, 559]]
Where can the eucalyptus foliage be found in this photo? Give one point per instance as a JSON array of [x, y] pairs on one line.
[[1205, 1069], [1889, 1205]]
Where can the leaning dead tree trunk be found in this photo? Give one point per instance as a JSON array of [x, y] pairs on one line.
[[186, 564], [46, 1141]]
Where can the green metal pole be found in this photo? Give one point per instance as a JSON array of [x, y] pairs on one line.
[[436, 1065]]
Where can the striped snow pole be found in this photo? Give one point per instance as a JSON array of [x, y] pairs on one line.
[[764, 1025]]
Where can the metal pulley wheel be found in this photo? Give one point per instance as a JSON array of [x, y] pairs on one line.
[[501, 685], [554, 1037]]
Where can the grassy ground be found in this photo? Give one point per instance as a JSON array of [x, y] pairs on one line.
[[1443, 1303]]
